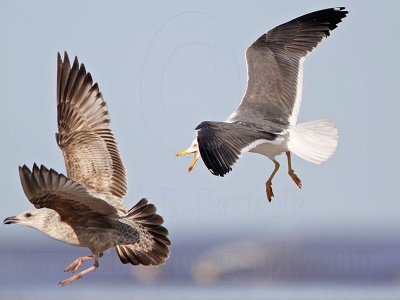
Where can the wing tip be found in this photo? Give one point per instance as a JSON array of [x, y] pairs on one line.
[[341, 8], [66, 61], [75, 64]]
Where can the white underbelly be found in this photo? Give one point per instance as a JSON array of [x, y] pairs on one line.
[[272, 149]]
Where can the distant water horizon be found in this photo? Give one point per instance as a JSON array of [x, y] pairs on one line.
[[92, 290], [227, 268]]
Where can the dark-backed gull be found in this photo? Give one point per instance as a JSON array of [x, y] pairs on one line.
[[266, 120], [85, 209]]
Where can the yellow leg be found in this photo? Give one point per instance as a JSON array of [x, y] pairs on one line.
[[268, 184], [291, 173]]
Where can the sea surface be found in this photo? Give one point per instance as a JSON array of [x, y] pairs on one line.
[[91, 290], [222, 269]]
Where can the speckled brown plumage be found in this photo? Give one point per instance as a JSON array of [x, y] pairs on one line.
[[85, 208]]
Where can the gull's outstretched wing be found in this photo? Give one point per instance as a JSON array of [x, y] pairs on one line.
[[47, 188], [90, 151], [275, 68]]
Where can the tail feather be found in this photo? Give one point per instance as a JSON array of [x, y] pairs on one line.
[[314, 141], [153, 245]]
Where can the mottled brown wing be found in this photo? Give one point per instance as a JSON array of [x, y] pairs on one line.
[[47, 188], [153, 245], [90, 151]]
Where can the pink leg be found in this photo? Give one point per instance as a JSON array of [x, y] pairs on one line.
[[77, 263], [81, 274]]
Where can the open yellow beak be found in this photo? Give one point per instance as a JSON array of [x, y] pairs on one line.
[[195, 158], [183, 153]]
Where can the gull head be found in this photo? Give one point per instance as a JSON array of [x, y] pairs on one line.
[[193, 148], [35, 218]]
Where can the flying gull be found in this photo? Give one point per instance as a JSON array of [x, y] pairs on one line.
[[266, 120], [85, 208]]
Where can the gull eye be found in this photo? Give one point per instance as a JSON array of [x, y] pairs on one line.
[[28, 215]]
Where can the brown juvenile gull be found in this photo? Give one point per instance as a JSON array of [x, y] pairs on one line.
[[266, 120], [85, 208]]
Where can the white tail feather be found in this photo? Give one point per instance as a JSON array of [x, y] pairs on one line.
[[314, 141]]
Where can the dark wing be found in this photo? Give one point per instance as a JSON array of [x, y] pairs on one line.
[[275, 67], [153, 245], [221, 144], [47, 188], [90, 151]]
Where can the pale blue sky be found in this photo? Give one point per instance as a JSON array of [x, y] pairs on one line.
[[163, 67]]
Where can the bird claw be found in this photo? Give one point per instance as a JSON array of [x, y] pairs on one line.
[[80, 274], [70, 279], [295, 178], [73, 267], [268, 189]]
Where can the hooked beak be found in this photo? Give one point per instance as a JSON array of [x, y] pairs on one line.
[[195, 158], [10, 220]]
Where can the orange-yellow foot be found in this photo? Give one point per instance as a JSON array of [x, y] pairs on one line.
[[295, 178], [268, 189]]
